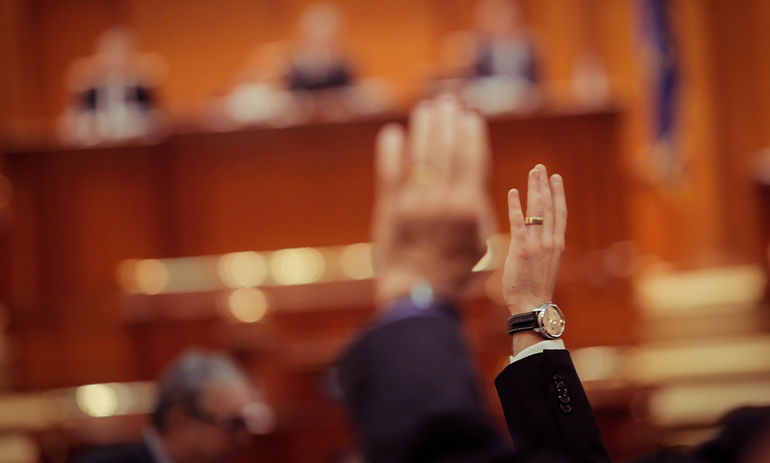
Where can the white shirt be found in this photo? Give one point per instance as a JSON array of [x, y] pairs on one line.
[[548, 344]]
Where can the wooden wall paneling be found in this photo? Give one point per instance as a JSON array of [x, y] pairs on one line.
[[9, 66], [86, 210], [19, 239], [123, 201], [303, 186], [90, 209], [761, 40], [55, 218], [738, 34], [20, 80]]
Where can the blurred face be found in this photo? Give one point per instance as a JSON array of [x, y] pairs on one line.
[[497, 17], [218, 429], [114, 48], [320, 25]]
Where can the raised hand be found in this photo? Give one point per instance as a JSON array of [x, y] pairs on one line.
[[536, 249], [432, 214]]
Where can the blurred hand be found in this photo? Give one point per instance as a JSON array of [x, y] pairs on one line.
[[432, 213], [533, 258]]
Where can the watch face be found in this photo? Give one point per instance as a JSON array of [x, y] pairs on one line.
[[552, 321]]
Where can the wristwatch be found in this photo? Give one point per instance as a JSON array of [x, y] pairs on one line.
[[546, 320]]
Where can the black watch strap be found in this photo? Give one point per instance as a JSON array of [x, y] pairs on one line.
[[522, 322]]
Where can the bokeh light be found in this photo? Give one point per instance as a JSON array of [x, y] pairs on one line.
[[97, 400], [247, 305], [152, 276], [242, 269], [297, 266], [356, 261]]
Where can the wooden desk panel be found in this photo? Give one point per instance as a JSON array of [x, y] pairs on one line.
[[79, 212], [272, 189]]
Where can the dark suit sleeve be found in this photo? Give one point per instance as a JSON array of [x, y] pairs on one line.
[[545, 406], [413, 396]]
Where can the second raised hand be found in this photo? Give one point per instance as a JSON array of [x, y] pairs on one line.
[[433, 213]]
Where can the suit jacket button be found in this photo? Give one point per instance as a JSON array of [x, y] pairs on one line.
[[561, 387], [564, 398], [566, 408], [558, 379]]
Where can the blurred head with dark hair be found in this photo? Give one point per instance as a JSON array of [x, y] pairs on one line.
[[207, 409]]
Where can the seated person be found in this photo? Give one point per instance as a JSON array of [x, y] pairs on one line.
[[408, 382], [113, 92], [206, 410], [503, 46], [501, 61], [319, 62], [322, 77]]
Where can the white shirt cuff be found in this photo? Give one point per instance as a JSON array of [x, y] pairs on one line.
[[548, 344]]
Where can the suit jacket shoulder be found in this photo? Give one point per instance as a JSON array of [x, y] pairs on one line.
[[413, 396]]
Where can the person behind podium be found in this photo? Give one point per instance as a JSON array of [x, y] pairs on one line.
[[114, 97], [504, 60], [321, 74], [206, 411], [319, 62]]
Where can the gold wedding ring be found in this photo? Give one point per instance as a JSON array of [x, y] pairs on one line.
[[423, 173], [533, 221]]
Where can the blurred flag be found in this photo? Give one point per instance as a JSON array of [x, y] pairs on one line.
[[659, 43]]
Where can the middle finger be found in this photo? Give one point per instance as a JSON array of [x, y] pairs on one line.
[[534, 205]]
